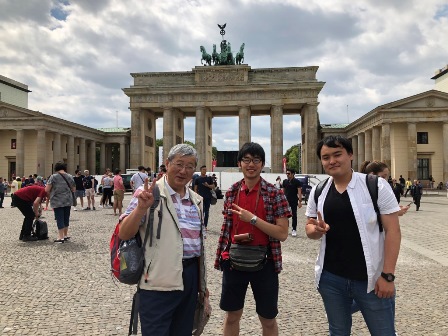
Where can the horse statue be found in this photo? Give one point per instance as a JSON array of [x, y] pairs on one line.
[[239, 58], [215, 56], [229, 56], [205, 57]]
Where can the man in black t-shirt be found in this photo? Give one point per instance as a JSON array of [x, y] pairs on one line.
[[203, 185], [293, 191], [80, 191]]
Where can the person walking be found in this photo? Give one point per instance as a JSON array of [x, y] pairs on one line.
[[3, 188], [255, 217], [203, 185], [356, 260], [28, 201], [408, 186], [293, 191], [175, 270], [118, 192], [60, 186], [416, 193]]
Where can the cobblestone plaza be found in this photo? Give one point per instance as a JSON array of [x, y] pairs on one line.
[[67, 289]]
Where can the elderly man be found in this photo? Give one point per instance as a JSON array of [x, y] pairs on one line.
[[175, 263]]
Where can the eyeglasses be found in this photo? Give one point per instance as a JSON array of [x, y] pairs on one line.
[[247, 160], [181, 166]]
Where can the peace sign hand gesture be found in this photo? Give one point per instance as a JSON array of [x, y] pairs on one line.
[[146, 198]]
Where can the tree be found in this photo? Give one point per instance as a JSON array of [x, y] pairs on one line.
[[293, 158]]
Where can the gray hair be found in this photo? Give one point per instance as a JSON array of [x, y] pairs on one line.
[[182, 150]]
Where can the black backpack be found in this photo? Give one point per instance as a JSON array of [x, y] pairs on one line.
[[372, 186]]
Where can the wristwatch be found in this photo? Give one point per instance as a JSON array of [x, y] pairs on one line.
[[388, 276], [253, 220]]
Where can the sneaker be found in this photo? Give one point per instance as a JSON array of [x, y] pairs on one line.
[[100, 206], [294, 233], [58, 241], [74, 209], [93, 208], [66, 238], [87, 208]]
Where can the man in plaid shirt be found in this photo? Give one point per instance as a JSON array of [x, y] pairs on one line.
[[252, 206]]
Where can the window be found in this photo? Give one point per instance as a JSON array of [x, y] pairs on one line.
[[422, 169], [422, 138], [13, 143]]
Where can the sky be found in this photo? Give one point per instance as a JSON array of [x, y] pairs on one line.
[[76, 56]]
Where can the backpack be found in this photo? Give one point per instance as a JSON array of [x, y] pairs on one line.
[[40, 229], [127, 256], [372, 186]]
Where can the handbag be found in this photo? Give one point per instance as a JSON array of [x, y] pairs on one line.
[[201, 314], [74, 201], [247, 258]]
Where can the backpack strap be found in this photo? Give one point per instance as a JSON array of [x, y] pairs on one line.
[[372, 186], [319, 189]]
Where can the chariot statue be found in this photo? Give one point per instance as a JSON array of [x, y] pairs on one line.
[[225, 56]]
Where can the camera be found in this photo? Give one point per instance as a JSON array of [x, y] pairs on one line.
[[243, 238]]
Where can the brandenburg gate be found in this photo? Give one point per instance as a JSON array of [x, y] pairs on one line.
[[220, 91]]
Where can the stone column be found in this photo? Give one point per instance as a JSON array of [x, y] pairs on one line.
[[136, 139], [122, 157], [20, 153], [361, 156], [276, 139], [82, 154], [376, 143], [385, 144], [368, 144], [70, 154], [445, 151], [355, 153], [57, 148], [200, 135], [92, 157], [208, 138], [102, 157], [309, 139], [41, 152], [168, 117], [412, 151], [244, 125]]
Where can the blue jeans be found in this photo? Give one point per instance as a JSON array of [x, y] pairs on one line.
[[338, 294]]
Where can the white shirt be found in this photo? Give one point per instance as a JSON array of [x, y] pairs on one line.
[[371, 238]]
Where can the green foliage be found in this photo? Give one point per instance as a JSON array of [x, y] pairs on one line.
[[293, 158]]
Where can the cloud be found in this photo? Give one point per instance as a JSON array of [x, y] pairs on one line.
[[76, 56]]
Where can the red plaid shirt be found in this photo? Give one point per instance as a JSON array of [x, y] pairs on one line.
[[276, 207]]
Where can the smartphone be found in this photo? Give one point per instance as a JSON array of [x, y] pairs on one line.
[[410, 204]]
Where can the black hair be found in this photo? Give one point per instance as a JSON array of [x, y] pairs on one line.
[[334, 141], [372, 167], [60, 166], [76, 171], [291, 170], [141, 168], [117, 171], [253, 149], [204, 166]]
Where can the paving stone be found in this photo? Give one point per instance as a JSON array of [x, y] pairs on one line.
[[67, 289]]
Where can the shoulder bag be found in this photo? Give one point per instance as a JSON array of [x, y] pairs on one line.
[[74, 202]]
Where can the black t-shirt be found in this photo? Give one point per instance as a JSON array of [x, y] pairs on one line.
[[344, 255], [78, 182], [291, 191], [87, 180], [202, 189]]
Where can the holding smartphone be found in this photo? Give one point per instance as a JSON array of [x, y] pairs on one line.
[[410, 204]]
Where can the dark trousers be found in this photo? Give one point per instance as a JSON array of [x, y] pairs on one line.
[[206, 207], [107, 196], [2, 197], [170, 313], [26, 208], [417, 199], [293, 205], [406, 193]]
